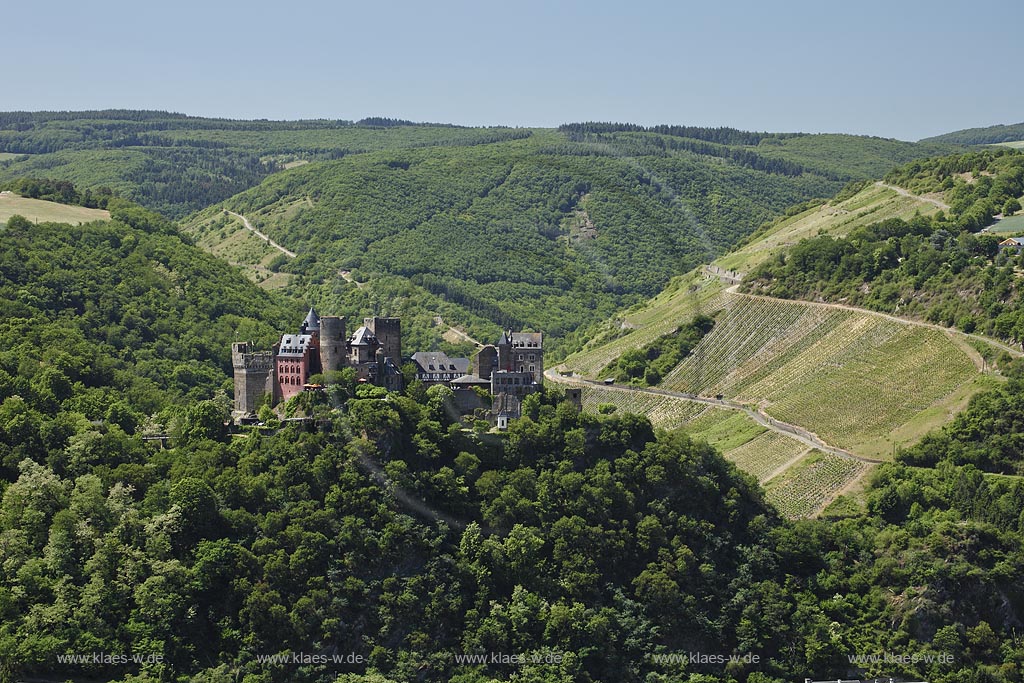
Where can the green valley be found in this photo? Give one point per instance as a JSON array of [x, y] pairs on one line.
[[492, 232], [844, 480]]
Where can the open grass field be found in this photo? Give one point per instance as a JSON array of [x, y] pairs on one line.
[[4, 156], [40, 211], [1016, 144], [1007, 226], [870, 205]]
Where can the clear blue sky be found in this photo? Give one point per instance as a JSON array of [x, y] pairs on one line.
[[895, 69]]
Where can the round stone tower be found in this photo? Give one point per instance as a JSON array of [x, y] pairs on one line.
[[332, 343]]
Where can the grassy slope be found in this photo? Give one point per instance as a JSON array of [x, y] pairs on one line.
[[871, 205], [41, 211], [858, 380], [226, 237]]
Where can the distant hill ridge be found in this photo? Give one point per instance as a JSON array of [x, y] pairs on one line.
[[988, 135]]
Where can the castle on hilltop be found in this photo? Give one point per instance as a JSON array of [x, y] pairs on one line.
[[510, 369], [374, 351]]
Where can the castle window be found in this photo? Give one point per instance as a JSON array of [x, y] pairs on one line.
[[533, 357], [533, 369]]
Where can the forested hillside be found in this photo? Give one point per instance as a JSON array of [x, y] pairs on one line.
[[583, 548], [554, 231], [982, 136], [119, 322], [178, 164], [939, 268], [484, 227]]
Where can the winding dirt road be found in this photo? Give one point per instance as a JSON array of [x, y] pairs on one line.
[[248, 226], [950, 331], [907, 193], [793, 431], [454, 331]]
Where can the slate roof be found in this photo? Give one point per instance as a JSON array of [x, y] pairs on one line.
[[363, 337], [312, 321], [527, 339], [294, 345], [436, 361]]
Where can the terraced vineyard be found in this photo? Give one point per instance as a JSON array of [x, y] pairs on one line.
[[664, 412], [767, 455], [850, 377], [685, 297], [795, 477], [858, 380], [696, 292], [805, 488]]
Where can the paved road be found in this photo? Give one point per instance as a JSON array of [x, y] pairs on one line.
[[793, 431], [248, 226]]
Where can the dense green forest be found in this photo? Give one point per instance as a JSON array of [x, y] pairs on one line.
[[493, 231], [982, 136], [60, 191], [486, 227], [591, 546], [178, 164], [116, 321], [939, 268]]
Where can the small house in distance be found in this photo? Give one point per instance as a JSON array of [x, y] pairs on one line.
[[1012, 243]]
